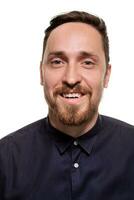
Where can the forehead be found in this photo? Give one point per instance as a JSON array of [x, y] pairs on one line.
[[74, 36]]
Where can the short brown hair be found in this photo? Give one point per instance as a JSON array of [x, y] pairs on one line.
[[84, 17]]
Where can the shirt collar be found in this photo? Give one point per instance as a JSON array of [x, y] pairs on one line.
[[64, 141]]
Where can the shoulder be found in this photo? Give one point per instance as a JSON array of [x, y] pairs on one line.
[[109, 121], [20, 149], [25, 133], [23, 144], [118, 127]]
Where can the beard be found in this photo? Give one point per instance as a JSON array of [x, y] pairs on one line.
[[73, 115]]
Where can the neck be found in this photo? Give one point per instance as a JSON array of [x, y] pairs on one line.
[[74, 131]]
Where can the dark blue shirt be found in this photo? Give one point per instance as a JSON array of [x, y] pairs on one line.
[[38, 162]]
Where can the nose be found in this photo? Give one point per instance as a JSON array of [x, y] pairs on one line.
[[72, 75]]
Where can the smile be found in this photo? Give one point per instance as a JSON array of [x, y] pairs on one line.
[[72, 98], [72, 95]]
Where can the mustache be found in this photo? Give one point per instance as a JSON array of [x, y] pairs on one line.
[[65, 89]]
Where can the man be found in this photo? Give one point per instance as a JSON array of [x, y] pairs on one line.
[[74, 153]]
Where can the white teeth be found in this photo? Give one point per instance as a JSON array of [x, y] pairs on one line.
[[72, 95]]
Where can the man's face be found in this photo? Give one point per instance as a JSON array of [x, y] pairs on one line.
[[74, 73]]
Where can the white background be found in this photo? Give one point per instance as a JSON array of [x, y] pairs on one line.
[[22, 24]]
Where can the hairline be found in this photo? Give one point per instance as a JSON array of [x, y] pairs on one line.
[[72, 22]]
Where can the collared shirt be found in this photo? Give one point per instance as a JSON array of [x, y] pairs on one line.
[[38, 162]]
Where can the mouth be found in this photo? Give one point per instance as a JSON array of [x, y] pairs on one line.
[[71, 95], [72, 98]]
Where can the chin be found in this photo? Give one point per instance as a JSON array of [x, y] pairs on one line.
[[74, 116]]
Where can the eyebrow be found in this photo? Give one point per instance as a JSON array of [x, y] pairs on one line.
[[84, 54], [56, 53]]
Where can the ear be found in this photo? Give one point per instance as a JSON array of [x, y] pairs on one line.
[[41, 73], [107, 75]]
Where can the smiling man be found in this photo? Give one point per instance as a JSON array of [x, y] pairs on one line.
[[74, 153], [74, 72]]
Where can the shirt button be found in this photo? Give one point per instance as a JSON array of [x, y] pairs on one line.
[[75, 143], [76, 165]]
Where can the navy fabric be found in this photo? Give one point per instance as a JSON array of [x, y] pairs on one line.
[[38, 162]]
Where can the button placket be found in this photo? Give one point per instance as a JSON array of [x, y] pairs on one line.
[[76, 165], [75, 176], [75, 154], [75, 142]]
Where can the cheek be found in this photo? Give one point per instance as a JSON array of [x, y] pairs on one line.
[[51, 79], [94, 80]]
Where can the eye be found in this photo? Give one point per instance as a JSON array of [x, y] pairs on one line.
[[57, 62], [88, 63]]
